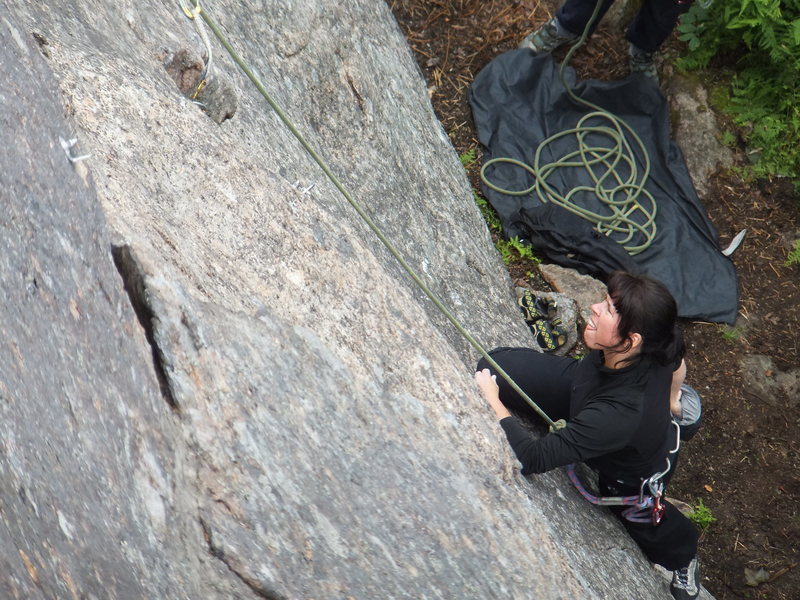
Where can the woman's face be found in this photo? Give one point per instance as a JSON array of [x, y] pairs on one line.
[[601, 330]]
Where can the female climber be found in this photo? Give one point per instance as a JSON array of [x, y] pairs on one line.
[[622, 403]]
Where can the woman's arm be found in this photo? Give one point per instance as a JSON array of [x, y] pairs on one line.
[[598, 429], [491, 393], [678, 377]]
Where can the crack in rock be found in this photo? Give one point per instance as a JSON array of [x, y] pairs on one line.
[[133, 280], [259, 587]]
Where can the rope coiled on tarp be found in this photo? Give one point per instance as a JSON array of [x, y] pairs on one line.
[[630, 210]]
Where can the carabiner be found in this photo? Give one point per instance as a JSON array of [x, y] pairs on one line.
[[658, 511]]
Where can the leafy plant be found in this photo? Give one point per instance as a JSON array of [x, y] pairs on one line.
[[760, 41], [467, 158], [730, 334], [488, 213], [701, 36], [794, 255], [701, 515], [726, 138], [514, 248], [511, 249]]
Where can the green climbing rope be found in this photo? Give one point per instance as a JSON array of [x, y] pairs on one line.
[[193, 13], [630, 209]]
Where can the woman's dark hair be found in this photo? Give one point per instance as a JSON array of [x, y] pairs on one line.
[[645, 306]]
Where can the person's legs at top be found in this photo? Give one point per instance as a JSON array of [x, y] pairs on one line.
[[566, 26], [652, 24], [575, 14], [544, 377]]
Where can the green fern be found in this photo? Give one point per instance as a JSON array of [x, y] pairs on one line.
[[488, 213], [467, 158], [515, 249], [794, 255], [760, 40]]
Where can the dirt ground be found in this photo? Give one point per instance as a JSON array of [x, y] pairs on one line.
[[743, 464]]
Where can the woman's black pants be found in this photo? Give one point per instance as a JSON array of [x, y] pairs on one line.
[[548, 380]]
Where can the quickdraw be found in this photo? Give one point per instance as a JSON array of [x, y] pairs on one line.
[[192, 13]]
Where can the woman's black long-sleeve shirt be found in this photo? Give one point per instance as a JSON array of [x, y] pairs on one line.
[[619, 423]]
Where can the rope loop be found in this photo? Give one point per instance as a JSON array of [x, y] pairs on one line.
[[602, 150]]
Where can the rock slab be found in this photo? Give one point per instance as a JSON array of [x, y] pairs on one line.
[[216, 381]]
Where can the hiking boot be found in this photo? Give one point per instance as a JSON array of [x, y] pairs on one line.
[[643, 62], [548, 37], [686, 582]]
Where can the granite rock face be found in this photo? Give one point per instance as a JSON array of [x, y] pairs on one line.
[[216, 381], [93, 479]]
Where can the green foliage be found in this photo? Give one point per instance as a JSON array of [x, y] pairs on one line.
[[488, 213], [726, 138], [701, 515], [467, 158], [730, 334], [509, 250], [702, 36], [760, 39], [794, 255], [513, 248]]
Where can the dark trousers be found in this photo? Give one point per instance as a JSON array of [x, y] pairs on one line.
[[650, 27], [547, 379]]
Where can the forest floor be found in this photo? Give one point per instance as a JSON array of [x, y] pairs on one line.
[[744, 463]]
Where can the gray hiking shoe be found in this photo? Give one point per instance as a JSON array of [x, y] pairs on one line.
[[686, 582], [548, 37], [643, 62]]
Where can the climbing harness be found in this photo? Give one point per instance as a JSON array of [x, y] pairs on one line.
[[193, 13], [647, 506], [631, 209]]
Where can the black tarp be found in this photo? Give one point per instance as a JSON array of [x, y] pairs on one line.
[[518, 100]]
